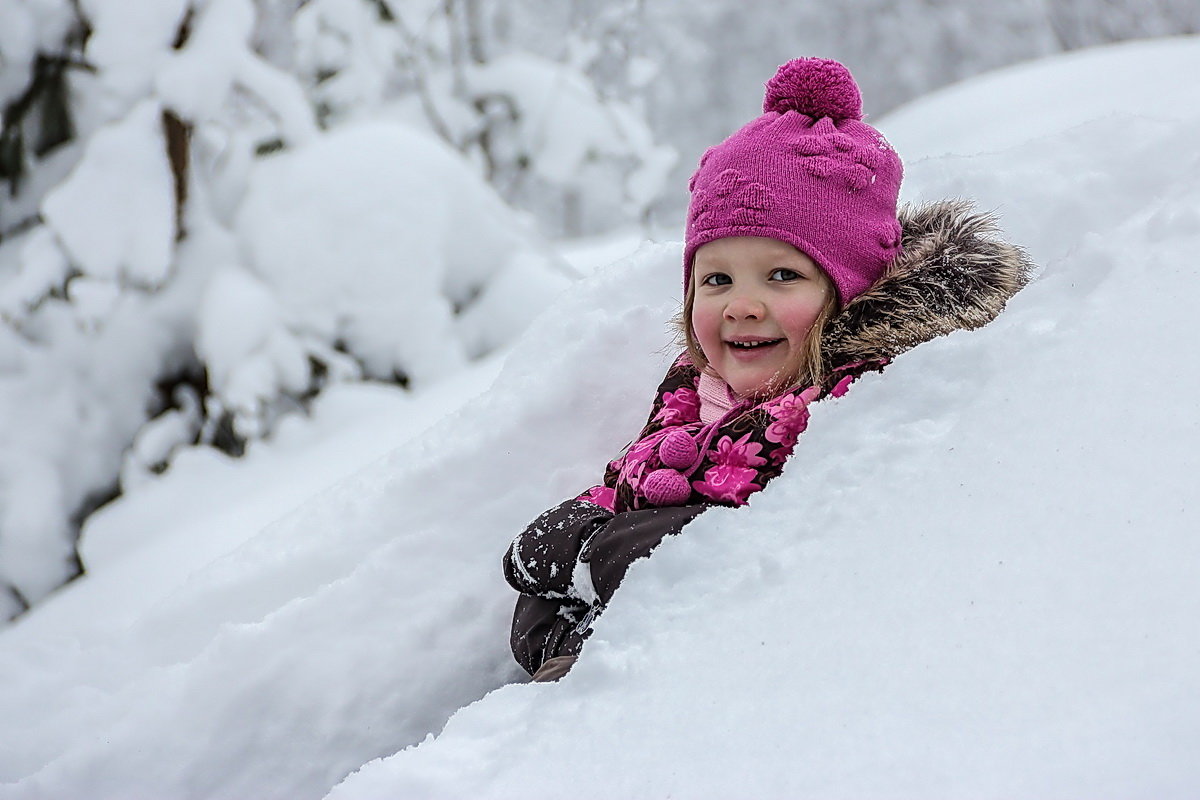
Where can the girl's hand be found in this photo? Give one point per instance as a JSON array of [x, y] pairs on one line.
[[541, 559]]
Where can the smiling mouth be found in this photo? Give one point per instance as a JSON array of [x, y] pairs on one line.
[[753, 345]]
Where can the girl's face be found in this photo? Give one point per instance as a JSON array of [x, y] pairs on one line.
[[754, 300]]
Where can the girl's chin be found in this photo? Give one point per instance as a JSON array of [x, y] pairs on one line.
[[755, 384], [756, 379]]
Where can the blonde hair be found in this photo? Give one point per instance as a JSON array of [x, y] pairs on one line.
[[811, 370]]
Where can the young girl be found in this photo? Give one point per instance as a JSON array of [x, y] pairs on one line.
[[798, 277]]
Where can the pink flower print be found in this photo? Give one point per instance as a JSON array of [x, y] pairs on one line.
[[842, 386], [679, 406], [748, 216], [859, 177], [756, 196], [820, 167], [790, 415], [634, 465], [867, 158], [728, 483], [742, 453], [842, 142], [602, 496], [781, 454], [728, 196], [888, 236]]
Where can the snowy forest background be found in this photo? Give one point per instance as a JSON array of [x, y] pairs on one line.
[[212, 211]]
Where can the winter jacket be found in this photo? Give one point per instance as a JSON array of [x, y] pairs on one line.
[[952, 274]]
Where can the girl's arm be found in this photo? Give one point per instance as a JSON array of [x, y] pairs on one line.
[[626, 538], [544, 627], [542, 559], [579, 551]]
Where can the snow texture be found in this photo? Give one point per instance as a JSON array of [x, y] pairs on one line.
[[124, 169], [197, 80], [361, 237], [31, 26], [563, 122], [975, 578]]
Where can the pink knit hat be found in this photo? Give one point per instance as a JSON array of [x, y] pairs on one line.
[[808, 172]]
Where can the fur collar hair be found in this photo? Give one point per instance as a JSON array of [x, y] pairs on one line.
[[953, 273]]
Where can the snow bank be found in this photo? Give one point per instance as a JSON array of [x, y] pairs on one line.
[[352, 626], [976, 577]]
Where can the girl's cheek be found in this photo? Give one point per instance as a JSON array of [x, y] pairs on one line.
[[706, 330], [799, 321]]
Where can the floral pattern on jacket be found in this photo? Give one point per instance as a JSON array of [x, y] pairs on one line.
[[736, 455]]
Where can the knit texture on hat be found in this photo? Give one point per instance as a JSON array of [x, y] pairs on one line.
[[808, 172]]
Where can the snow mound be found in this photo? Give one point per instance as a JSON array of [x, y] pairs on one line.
[[354, 625]]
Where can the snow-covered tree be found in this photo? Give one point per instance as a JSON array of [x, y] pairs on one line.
[[193, 250], [528, 113]]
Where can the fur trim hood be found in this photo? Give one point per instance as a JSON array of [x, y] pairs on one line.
[[953, 273]]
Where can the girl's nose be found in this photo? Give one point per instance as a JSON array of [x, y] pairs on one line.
[[744, 306]]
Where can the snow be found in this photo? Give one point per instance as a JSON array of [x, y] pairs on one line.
[[198, 79], [412, 555], [341, 228], [30, 26], [976, 576], [282, 288], [130, 41], [124, 167], [563, 122], [1044, 98], [81, 380], [566, 130], [250, 354], [41, 265]]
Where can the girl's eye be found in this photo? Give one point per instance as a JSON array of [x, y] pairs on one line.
[[717, 279], [784, 274]]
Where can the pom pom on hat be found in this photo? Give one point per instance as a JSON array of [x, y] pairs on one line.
[[816, 87]]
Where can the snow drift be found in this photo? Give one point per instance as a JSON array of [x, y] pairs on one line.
[[976, 576]]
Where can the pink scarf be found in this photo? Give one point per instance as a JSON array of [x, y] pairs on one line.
[[716, 398]]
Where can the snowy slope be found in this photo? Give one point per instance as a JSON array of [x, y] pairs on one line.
[[350, 627], [977, 576], [1148, 78]]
